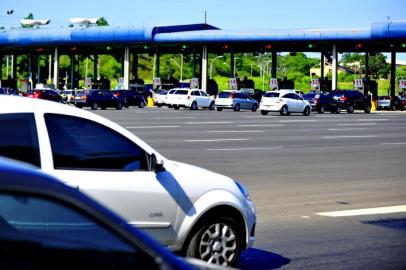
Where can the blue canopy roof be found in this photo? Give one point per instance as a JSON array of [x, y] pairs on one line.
[[194, 33]]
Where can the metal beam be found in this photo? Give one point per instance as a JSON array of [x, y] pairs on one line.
[[393, 73], [204, 68], [126, 67], [232, 72], [334, 68], [274, 63], [56, 68], [322, 65]]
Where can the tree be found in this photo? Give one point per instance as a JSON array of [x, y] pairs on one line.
[[29, 17], [102, 22]]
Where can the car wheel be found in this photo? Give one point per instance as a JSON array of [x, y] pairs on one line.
[[159, 105], [142, 104], [306, 111], [119, 106], [254, 107], [193, 107], [284, 111], [176, 107], [211, 107], [350, 109], [103, 108], [217, 242], [367, 109], [338, 109], [236, 107], [321, 109], [95, 106], [170, 106], [126, 103], [264, 112], [219, 109], [79, 106]]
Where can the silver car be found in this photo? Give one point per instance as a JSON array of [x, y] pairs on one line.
[[235, 100]]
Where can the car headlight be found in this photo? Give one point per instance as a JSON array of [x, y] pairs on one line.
[[243, 189]]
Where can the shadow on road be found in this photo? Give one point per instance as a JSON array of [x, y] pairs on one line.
[[260, 260]]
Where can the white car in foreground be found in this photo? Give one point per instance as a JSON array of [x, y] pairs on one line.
[[284, 102], [189, 209], [190, 98]]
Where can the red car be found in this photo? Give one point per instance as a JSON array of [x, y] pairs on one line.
[[45, 94]]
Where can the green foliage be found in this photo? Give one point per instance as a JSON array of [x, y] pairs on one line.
[[378, 68], [102, 22]]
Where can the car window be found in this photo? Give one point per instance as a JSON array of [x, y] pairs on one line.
[[181, 92], [195, 93], [203, 94], [271, 94], [44, 232], [288, 95], [224, 94], [18, 138], [79, 143]]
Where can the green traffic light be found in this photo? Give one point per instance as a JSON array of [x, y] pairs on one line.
[[145, 47], [403, 45], [310, 46], [184, 46]]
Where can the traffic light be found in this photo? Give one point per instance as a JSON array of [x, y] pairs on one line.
[[226, 47], [358, 46], [184, 46], [310, 46], [403, 45], [268, 46]]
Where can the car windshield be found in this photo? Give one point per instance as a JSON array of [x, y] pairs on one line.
[[224, 94], [81, 93], [384, 98], [271, 94]]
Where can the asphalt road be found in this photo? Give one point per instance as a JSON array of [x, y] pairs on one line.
[[294, 168]]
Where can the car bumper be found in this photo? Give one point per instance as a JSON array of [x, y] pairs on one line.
[[271, 107]]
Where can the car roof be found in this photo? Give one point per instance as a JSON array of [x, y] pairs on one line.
[[20, 177], [19, 104]]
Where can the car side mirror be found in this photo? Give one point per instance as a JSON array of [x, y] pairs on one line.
[[154, 164]]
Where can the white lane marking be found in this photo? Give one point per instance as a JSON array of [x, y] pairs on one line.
[[177, 117], [372, 120], [256, 116], [235, 131], [215, 140], [208, 123], [328, 116], [147, 127], [243, 149], [394, 143], [297, 121], [262, 125], [345, 129], [349, 136], [358, 124], [365, 211]]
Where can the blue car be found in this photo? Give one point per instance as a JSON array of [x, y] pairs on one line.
[[45, 224]]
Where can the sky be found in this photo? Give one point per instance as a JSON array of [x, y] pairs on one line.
[[225, 14]]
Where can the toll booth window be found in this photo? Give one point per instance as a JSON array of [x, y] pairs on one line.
[[18, 138]]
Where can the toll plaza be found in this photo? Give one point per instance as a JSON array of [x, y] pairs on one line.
[[196, 41]]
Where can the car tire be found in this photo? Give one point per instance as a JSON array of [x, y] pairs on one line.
[[95, 106], [216, 241], [142, 104], [176, 107], [119, 106], [321, 109], [350, 109], [79, 106], [193, 107], [254, 107], [306, 111], [264, 112], [284, 111], [159, 105], [367, 109], [219, 109], [103, 108], [211, 106], [236, 107]]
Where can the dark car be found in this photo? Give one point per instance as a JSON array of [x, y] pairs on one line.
[[348, 100], [312, 98], [97, 98], [390, 103], [45, 224], [130, 98], [47, 94]]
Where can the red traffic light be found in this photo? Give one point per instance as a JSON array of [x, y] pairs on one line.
[[268, 46], [226, 47], [359, 45]]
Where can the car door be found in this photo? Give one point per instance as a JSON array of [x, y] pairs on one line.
[[300, 104], [114, 170], [290, 101], [205, 99]]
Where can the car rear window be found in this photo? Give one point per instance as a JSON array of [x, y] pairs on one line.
[[224, 94], [271, 94], [181, 92], [18, 138]]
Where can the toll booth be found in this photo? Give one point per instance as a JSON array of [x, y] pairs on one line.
[[212, 87], [284, 83], [169, 83], [101, 84], [367, 87], [245, 83], [325, 85], [9, 83], [138, 87]]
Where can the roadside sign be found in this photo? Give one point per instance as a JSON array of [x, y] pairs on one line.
[[402, 84], [315, 83], [232, 84], [156, 82], [121, 80], [88, 82], [194, 83], [273, 83], [358, 83]]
